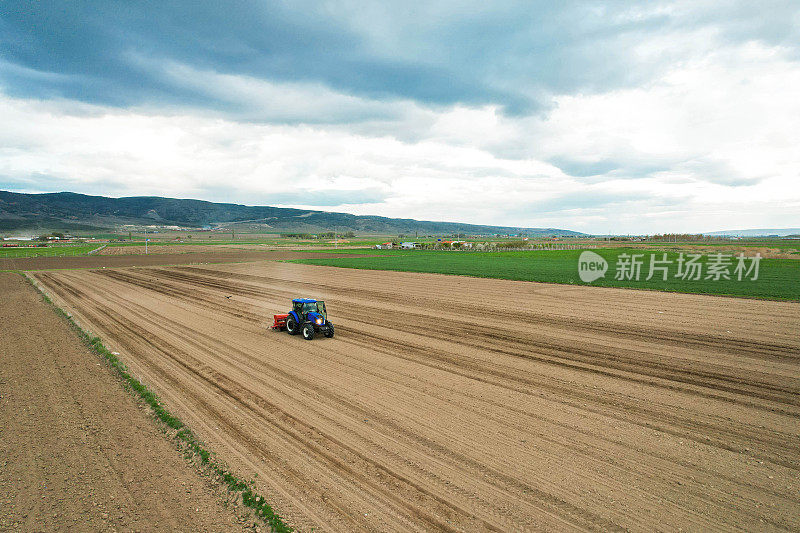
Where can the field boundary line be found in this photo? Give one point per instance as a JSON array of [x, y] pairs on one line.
[[327, 262], [183, 435]]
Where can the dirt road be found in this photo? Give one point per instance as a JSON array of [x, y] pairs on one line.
[[76, 452], [449, 403]]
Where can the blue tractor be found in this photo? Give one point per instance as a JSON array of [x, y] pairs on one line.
[[307, 317]]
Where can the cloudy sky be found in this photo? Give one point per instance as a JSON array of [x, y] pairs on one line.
[[593, 116]]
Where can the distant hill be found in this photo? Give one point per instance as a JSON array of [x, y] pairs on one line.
[[782, 232], [73, 212]]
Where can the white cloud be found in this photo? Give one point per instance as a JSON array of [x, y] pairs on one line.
[[712, 144]]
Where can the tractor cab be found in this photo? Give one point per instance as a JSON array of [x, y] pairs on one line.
[[304, 306], [307, 316]]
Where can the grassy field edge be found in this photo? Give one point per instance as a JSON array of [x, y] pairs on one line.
[[779, 281], [184, 435]]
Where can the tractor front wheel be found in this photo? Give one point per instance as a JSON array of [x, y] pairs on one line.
[[292, 326], [329, 332], [308, 331]]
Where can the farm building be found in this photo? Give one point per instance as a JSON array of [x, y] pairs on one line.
[[456, 244]]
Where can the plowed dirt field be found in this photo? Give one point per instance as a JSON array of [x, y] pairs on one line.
[[451, 403], [77, 453]]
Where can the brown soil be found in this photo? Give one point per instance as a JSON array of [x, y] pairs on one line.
[[451, 403], [115, 261], [76, 451], [177, 249]]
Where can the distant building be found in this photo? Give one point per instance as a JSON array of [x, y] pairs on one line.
[[384, 246], [457, 244], [409, 245]]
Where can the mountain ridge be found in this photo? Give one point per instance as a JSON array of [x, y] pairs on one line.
[[25, 211]]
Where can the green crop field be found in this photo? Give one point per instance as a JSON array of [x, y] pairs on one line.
[[777, 278], [50, 251]]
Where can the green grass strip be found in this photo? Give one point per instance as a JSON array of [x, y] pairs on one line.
[[779, 278], [250, 497]]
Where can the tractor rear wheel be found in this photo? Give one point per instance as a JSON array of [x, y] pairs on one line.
[[291, 326], [308, 331]]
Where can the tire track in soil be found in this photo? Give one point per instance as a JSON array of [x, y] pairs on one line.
[[617, 401], [196, 333], [685, 429], [629, 361], [108, 318], [191, 364], [627, 331]]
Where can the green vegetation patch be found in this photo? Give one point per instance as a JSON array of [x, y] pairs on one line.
[[778, 279]]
